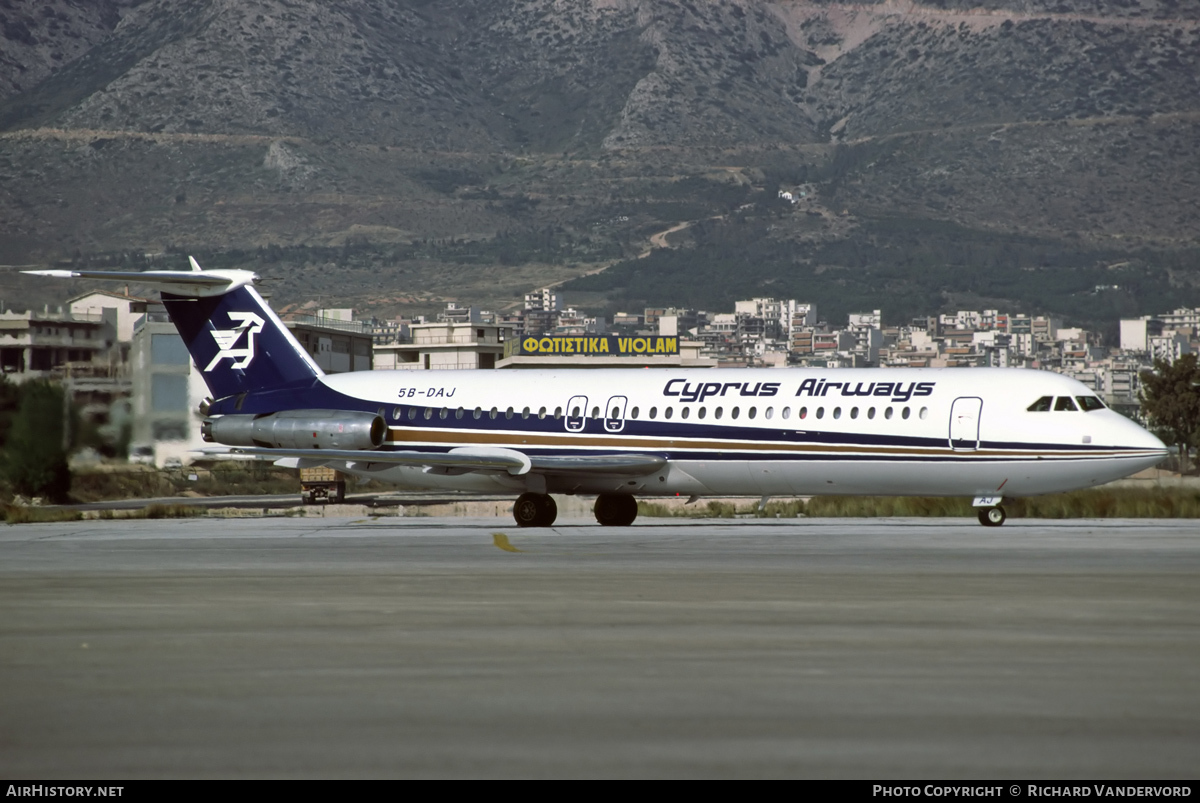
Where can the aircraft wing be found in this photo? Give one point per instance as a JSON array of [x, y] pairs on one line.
[[463, 460]]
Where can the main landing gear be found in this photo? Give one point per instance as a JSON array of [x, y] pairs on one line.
[[615, 510], [535, 510], [992, 516], [539, 510]]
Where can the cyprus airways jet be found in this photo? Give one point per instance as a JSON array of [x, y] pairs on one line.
[[982, 433]]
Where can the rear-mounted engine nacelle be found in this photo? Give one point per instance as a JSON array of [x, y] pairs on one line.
[[298, 429]]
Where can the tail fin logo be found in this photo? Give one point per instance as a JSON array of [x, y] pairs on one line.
[[250, 325]]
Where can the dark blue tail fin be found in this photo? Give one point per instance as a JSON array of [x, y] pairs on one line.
[[239, 344]]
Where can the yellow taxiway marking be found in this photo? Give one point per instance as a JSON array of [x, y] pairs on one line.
[[501, 541]]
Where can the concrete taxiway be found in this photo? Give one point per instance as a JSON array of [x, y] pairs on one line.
[[468, 647]]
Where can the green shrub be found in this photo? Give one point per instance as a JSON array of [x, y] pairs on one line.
[[36, 463]]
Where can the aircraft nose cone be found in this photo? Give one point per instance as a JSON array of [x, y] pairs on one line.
[[1135, 437]]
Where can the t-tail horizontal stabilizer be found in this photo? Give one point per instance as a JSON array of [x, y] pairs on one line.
[[196, 283]]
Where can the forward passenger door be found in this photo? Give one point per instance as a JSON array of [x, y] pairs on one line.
[[964, 423]]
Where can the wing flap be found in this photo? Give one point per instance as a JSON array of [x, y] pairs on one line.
[[635, 464]]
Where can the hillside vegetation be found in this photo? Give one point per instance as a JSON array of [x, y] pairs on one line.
[[394, 155]]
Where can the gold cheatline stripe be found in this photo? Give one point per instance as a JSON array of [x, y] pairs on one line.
[[517, 440]]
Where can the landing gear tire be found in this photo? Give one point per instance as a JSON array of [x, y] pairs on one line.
[[535, 510], [615, 510], [992, 516]]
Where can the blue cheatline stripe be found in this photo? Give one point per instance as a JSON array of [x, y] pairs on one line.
[[732, 455]]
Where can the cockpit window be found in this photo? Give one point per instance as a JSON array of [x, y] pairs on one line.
[[1064, 404], [1042, 405], [1089, 403]]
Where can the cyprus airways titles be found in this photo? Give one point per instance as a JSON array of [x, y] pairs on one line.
[[618, 433]]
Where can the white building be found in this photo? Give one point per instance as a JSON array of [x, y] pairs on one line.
[[125, 310], [445, 345], [1136, 333], [545, 299], [41, 345], [1169, 346]]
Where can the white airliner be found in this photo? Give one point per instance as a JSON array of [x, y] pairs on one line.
[[988, 434]]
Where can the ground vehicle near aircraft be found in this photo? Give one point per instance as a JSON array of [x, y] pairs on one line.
[[620, 433], [322, 484]]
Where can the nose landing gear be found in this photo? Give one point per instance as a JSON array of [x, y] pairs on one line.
[[992, 516]]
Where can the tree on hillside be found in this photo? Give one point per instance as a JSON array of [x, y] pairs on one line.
[[1171, 400], [36, 463]]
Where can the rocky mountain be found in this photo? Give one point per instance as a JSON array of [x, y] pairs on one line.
[[433, 143]]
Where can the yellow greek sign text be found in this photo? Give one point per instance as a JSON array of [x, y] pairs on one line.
[[605, 344]]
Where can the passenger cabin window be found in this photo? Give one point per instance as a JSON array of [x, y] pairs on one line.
[[1063, 404], [1042, 405], [1089, 403]]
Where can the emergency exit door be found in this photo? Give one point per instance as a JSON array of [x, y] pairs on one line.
[[576, 417], [614, 413]]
